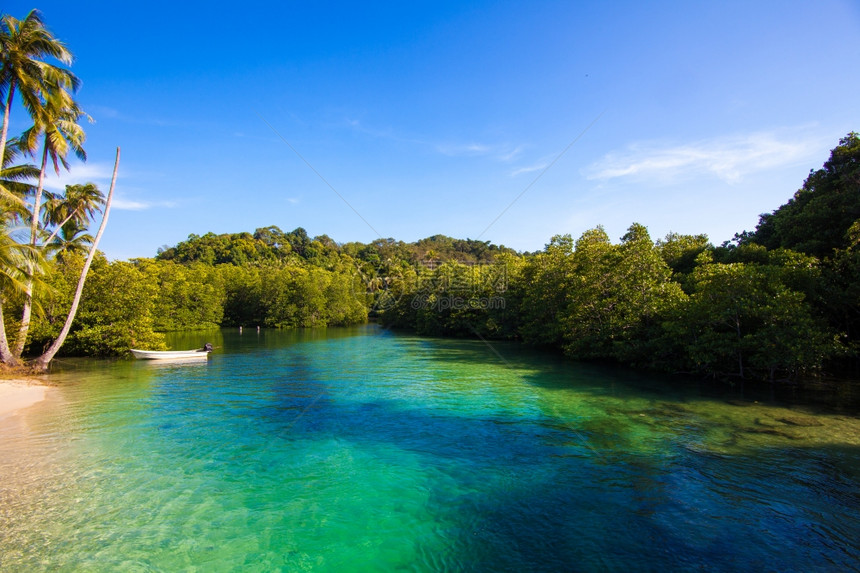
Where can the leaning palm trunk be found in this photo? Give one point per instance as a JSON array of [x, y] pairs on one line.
[[6, 356], [59, 228], [6, 109], [13, 258], [27, 311], [42, 362]]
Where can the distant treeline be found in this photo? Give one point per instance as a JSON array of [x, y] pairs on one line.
[[782, 301]]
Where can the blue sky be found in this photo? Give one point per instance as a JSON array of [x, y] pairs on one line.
[[436, 117]]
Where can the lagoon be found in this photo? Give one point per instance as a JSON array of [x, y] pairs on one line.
[[360, 449]]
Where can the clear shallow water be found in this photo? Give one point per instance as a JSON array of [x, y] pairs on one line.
[[362, 450]]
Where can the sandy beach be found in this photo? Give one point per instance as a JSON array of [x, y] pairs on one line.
[[18, 394]]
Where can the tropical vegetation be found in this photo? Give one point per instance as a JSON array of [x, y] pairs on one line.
[[33, 232], [779, 302]]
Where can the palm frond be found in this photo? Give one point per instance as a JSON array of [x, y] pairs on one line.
[[19, 262]]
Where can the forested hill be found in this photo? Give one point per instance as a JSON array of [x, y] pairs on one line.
[[269, 278], [271, 244], [823, 216]]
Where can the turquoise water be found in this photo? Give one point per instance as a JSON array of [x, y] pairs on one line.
[[357, 449]]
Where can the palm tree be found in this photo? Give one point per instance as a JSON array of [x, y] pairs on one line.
[[24, 45], [10, 280], [16, 260], [42, 362], [14, 256], [58, 124], [61, 134], [77, 208], [14, 182], [70, 238], [45, 92]]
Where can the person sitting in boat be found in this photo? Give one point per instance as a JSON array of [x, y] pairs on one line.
[[207, 347]]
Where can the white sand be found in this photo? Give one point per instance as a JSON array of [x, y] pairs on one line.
[[18, 394]]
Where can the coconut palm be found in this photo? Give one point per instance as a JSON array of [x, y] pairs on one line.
[[60, 134], [70, 217], [15, 183], [17, 261], [15, 257], [10, 280], [57, 126], [24, 47], [12, 259], [42, 362], [70, 238], [78, 206], [45, 92]]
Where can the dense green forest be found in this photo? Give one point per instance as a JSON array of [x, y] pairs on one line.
[[775, 303], [779, 302], [269, 278]]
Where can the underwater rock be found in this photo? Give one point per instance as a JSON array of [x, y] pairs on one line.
[[668, 407], [772, 432], [803, 421]]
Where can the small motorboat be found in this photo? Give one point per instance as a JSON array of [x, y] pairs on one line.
[[172, 354]]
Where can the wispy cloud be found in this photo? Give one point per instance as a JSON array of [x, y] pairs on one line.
[[728, 158], [464, 149], [541, 164], [512, 154], [129, 205], [99, 173], [386, 133], [125, 204], [503, 152]]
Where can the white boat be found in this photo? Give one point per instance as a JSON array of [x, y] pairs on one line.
[[172, 354]]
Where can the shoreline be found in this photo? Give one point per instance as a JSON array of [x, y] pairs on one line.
[[18, 394]]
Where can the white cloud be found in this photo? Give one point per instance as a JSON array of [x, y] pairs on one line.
[[728, 158], [503, 152], [467, 149], [512, 154], [129, 205], [99, 173], [124, 204], [529, 168], [500, 152], [359, 126]]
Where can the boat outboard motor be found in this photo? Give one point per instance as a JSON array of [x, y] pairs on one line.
[[207, 347]]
